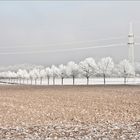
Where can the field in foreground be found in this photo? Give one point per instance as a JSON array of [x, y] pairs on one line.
[[69, 112]]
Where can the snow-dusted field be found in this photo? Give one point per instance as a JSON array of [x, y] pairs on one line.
[[69, 112], [78, 81]]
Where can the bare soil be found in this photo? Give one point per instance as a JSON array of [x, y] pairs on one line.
[[72, 112]]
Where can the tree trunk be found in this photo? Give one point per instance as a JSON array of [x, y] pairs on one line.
[[48, 80], [87, 80], [41, 81], [31, 81], [20, 80], [53, 80], [124, 80], [35, 81], [62, 80], [73, 80], [104, 79]]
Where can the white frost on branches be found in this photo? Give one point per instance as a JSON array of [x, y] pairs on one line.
[[86, 68], [105, 67], [48, 74], [62, 72], [125, 69], [55, 73], [72, 70]]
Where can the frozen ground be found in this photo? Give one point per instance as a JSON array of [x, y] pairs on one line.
[[76, 131], [69, 112]]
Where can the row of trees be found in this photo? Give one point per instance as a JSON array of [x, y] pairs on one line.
[[87, 68]]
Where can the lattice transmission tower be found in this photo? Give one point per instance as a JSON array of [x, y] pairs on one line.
[[131, 43]]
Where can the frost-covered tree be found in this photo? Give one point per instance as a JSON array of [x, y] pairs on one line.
[[88, 68], [42, 74], [3, 75], [126, 69], [14, 76], [34, 74], [24, 74], [137, 69], [20, 75], [31, 75], [72, 70], [62, 72], [11, 75], [48, 74], [55, 73], [105, 67]]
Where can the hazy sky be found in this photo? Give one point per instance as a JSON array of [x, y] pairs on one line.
[[35, 32]]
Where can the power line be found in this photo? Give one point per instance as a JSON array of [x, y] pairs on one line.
[[61, 50], [137, 43], [65, 43]]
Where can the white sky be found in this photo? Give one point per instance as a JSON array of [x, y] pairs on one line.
[[45, 27]]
